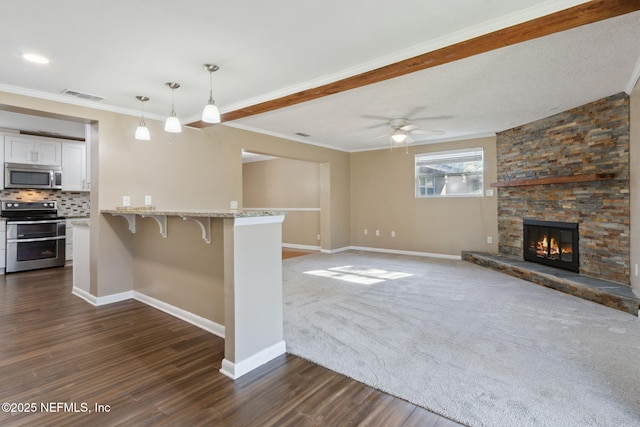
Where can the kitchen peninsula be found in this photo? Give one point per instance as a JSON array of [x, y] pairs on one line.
[[250, 244]]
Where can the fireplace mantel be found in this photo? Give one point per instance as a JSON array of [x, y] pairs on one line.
[[555, 180]]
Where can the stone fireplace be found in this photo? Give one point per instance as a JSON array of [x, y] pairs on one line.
[[572, 167]]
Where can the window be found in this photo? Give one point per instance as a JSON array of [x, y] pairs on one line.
[[450, 173]]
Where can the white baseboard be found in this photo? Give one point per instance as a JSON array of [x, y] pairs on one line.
[[392, 251], [84, 295], [296, 246], [98, 301], [238, 369], [335, 251], [110, 299], [201, 322]]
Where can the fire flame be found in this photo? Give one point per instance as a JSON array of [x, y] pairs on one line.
[[550, 248]]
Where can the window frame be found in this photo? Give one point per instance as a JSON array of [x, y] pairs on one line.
[[446, 153]]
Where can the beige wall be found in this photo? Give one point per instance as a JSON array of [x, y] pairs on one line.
[[182, 269], [634, 185], [193, 170], [334, 170], [383, 198], [292, 185]]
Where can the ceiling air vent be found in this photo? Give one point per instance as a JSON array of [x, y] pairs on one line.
[[81, 95], [304, 135]]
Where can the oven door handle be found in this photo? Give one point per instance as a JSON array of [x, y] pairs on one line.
[[43, 221], [39, 239]]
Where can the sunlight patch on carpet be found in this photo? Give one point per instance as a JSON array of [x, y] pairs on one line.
[[362, 276]]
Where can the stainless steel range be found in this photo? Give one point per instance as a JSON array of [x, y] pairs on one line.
[[35, 235]]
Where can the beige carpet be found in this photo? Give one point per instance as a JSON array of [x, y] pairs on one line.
[[477, 346]]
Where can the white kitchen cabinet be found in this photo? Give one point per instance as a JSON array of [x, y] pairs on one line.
[[74, 167], [3, 244], [32, 150], [81, 272], [69, 238], [1, 162]]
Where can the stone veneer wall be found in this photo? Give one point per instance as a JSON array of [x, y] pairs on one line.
[[590, 139], [70, 203]]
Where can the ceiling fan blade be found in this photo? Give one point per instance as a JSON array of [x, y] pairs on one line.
[[422, 119], [380, 125], [378, 137], [413, 112], [366, 116], [409, 128], [427, 132]]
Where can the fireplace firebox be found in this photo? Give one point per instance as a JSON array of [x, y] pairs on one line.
[[551, 243]]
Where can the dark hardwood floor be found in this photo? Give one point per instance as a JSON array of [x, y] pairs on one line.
[[291, 253], [60, 357]]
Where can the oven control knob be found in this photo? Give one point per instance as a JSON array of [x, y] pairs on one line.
[[9, 205], [15, 205]]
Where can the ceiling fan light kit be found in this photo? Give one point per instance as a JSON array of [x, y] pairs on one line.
[[210, 113], [172, 124], [399, 136]]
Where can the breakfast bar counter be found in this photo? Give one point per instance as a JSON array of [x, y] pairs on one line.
[[251, 245]]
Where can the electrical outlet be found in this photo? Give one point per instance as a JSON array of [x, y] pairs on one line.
[[377, 232], [318, 237], [366, 231], [147, 200], [393, 234], [234, 204], [126, 201], [489, 193], [489, 240]]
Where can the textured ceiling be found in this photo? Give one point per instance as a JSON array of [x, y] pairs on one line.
[[120, 49]]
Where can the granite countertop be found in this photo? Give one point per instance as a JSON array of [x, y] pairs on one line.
[[210, 214]]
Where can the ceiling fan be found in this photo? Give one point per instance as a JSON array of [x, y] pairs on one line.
[[403, 131]]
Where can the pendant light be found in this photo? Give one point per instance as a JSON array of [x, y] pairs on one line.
[[173, 123], [211, 114], [142, 132]]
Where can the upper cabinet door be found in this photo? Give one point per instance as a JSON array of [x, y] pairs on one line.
[[34, 151], [18, 150], [48, 152], [74, 167]]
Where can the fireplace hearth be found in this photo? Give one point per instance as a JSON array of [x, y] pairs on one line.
[[551, 243]]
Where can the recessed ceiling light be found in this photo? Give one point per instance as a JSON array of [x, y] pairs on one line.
[[38, 59]]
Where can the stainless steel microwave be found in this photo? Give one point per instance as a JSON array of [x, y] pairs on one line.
[[23, 175]]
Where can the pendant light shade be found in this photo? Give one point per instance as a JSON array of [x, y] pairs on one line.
[[142, 131], [211, 114], [172, 124]]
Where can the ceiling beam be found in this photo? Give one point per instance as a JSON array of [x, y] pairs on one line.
[[586, 13]]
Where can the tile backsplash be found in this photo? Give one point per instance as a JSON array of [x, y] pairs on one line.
[[70, 203]]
